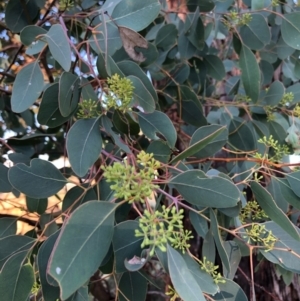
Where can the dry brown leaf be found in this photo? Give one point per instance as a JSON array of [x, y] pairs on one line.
[[131, 39]]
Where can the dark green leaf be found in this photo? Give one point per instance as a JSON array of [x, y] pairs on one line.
[[158, 123], [133, 287], [166, 37], [30, 33], [200, 190], [86, 241], [212, 147], [84, 144], [135, 14], [59, 46], [199, 223], [256, 34], [290, 29], [199, 145], [39, 180], [267, 203], [215, 67], [250, 73], [8, 226], [13, 244], [230, 291], [16, 279], [143, 99], [218, 239], [49, 113], [184, 283], [126, 244], [160, 150], [234, 256], [4, 183], [18, 15], [36, 205], [50, 292], [27, 87], [204, 280], [274, 94], [69, 93], [286, 250]]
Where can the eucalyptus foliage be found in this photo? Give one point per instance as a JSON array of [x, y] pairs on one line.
[[178, 123]]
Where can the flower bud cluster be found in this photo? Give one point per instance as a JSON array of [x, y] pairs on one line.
[[252, 211], [211, 269], [160, 227], [258, 234], [120, 93], [131, 184], [87, 109]]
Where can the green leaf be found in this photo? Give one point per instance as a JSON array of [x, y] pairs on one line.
[[133, 287], [256, 34], [77, 196], [8, 226], [199, 145], [199, 223], [234, 256], [204, 280], [106, 35], [215, 67], [27, 87], [82, 294], [198, 189], [18, 15], [107, 124], [250, 73], [39, 180], [293, 179], [290, 29], [29, 34], [184, 283], [238, 129], [158, 123], [69, 93], [218, 239], [49, 113], [13, 244], [126, 244], [4, 183], [166, 37], [84, 144], [50, 292], [86, 241], [16, 279], [274, 94], [141, 96], [136, 15], [230, 291], [132, 68], [288, 194], [59, 46], [267, 203], [36, 205], [286, 250], [160, 150], [215, 145]]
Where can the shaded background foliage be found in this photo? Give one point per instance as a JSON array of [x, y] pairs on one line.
[[210, 78]]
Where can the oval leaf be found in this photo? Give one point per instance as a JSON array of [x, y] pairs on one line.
[[182, 279], [198, 189], [85, 237], [158, 122], [84, 144], [136, 14], [59, 46], [290, 29], [39, 180], [27, 87], [250, 73], [267, 203]]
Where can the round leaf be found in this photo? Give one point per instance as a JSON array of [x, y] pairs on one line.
[[290, 29], [39, 180], [84, 144]]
